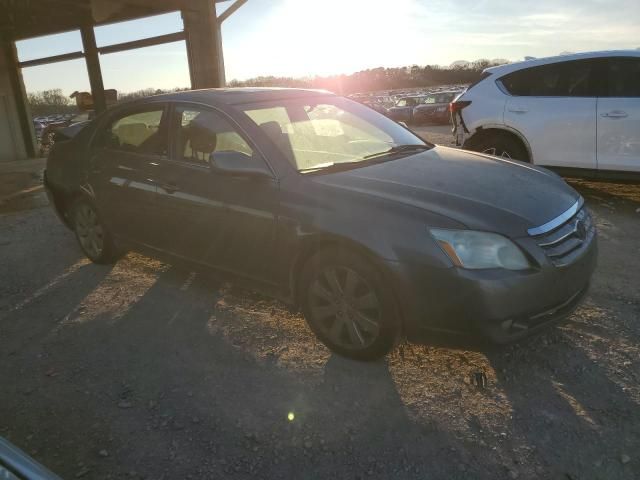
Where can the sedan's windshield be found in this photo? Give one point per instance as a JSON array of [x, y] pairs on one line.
[[314, 133]]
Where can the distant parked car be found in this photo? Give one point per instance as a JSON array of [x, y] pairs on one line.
[[82, 117], [402, 111], [374, 103], [434, 108], [38, 128], [373, 232], [577, 113]]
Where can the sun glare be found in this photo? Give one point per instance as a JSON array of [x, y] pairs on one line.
[[335, 36]]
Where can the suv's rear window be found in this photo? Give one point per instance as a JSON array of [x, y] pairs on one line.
[[563, 79]]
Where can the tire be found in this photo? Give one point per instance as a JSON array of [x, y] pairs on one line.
[[94, 238], [501, 145], [348, 306]]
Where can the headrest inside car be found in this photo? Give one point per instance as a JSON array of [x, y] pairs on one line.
[[273, 130], [132, 133], [202, 139]]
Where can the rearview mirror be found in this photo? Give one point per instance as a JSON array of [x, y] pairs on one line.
[[230, 162]]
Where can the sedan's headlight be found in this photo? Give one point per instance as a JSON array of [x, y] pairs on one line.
[[476, 250]]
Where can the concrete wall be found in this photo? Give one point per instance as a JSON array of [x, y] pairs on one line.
[[12, 145]]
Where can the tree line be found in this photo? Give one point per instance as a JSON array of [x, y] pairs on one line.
[[380, 79], [50, 102], [53, 101]]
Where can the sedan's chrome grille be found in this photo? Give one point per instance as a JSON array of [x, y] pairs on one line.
[[563, 244]]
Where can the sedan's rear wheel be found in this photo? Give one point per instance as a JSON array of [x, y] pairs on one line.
[[94, 238], [347, 305]]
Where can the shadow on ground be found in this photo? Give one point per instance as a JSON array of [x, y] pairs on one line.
[[145, 370]]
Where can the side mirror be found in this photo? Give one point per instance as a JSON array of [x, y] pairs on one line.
[[229, 162]]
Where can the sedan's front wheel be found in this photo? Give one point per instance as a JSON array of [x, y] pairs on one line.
[[348, 306], [94, 238]]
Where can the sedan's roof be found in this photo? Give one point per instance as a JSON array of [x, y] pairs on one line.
[[237, 96]]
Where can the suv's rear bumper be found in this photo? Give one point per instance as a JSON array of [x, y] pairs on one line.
[[458, 130]]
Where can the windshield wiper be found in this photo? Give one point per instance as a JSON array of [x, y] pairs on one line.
[[364, 161], [398, 149]]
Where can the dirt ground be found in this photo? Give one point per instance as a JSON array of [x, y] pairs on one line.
[[144, 370]]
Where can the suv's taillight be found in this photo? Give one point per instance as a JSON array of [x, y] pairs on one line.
[[458, 105]]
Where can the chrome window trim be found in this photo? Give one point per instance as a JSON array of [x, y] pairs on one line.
[[559, 220]]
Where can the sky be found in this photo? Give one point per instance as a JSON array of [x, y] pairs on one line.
[[322, 37]]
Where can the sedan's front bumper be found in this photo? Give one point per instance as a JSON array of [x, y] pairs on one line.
[[498, 304]]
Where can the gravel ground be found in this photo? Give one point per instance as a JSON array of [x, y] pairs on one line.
[[144, 370], [440, 134]]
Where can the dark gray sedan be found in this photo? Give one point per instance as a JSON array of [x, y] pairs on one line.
[[373, 232]]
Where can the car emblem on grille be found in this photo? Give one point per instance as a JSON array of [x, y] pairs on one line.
[[581, 230]]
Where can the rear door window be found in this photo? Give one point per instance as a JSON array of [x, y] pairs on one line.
[[138, 132], [623, 77], [563, 79]]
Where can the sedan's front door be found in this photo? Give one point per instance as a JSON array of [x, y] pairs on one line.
[[619, 117], [124, 161], [217, 219]]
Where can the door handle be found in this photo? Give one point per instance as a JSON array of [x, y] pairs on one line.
[[518, 110], [615, 114]]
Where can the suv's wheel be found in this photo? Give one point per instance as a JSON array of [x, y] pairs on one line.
[[95, 240], [504, 146], [348, 306]]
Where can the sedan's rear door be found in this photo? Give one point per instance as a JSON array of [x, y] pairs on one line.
[[554, 107], [124, 160]]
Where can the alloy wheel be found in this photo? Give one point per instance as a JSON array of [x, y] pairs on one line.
[[89, 230], [345, 307]]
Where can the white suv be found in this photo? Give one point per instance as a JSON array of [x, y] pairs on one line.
[[570, 112]]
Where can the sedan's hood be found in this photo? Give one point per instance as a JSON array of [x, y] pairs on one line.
[[479, 191]]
